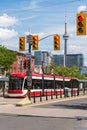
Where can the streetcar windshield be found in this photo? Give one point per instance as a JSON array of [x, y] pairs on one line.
[[15, 83]]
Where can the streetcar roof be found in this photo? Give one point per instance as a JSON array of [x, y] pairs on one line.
[[19, 75], [40, 76]]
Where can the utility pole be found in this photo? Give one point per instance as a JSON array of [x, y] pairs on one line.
[[20, 65], [29, 72], [65, 37]]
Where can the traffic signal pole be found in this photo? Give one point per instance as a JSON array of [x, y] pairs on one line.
[[29, 72], [30, 40]]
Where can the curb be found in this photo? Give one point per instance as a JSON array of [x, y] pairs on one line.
[[57, 100]]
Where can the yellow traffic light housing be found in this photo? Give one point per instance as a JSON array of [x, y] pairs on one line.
[[81, 24], [35, 42], [21, 43], [56, 42]]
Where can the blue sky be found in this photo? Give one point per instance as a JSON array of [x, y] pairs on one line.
[[42, 17]]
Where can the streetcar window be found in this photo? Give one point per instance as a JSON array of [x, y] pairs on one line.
[[48, 84], [15, 83]]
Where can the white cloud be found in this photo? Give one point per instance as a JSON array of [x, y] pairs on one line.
[[82, 8], [32, 5], [6, 21], [27, 18], [7, 34]]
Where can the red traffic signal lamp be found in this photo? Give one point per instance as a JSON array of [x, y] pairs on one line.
[[21, 43], [81, 24], [56, 42], [35, 42]]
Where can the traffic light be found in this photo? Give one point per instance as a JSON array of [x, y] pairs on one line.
[[56, 42], [21, 43], [81, 24], [35, 42], [24, 64]]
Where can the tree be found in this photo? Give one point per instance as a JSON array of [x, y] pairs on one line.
[[72, 71], [7, 57]]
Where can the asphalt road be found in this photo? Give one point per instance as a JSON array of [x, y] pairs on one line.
[[56, 115], [23, 122]]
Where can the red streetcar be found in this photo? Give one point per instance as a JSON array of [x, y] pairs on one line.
[[41, 84]]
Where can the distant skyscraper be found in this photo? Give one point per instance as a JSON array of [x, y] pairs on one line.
[[42, 56], [38, 60], [58, 59], [75, 59], [45, 58], [72, 59]]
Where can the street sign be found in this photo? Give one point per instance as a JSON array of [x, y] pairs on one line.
[[29, 38]]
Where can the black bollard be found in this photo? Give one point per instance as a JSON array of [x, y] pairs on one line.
[[72, 92], [46, 95], [40, 96], [60, 93], [51, 94], [34, 98], [56, 95]]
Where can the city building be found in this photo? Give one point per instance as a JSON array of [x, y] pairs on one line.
[[42, 60], [42, 57], [71, 60], [75, 59], [58, 59], [18, 65], [38, 60]]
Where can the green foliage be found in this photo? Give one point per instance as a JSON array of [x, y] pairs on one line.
[[72, 71], [7, 57]]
